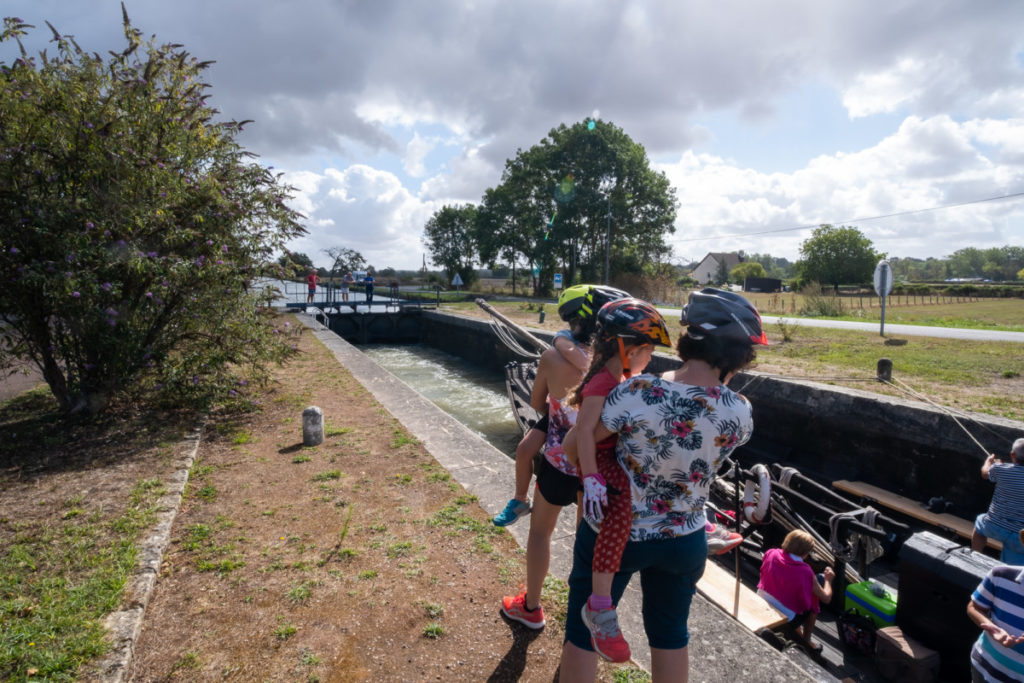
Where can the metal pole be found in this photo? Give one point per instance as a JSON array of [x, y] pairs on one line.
[[885, 291], [608, 237]]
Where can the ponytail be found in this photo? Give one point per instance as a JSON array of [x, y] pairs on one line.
[[604, 350]]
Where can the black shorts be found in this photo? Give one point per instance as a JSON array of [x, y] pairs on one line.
[[541, 425], [557, 487]]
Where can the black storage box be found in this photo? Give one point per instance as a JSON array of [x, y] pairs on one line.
[[901, 658], [937, 578]]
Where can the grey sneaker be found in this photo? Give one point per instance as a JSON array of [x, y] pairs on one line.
[[605, 635]]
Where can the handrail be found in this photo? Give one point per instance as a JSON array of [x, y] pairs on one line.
[[313, 311]]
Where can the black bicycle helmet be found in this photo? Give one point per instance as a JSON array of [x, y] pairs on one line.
[[633, 319], [723, 314]]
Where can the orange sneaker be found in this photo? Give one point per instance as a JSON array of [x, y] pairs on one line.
[[605, 635], [514, 607]]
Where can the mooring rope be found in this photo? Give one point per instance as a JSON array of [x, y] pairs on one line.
[[509, 339], [901, 385]]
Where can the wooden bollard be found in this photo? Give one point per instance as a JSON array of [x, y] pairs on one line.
[[312, 426]]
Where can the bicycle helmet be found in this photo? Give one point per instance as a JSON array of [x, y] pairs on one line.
[[584, 301], [723, 314], [633, 319]]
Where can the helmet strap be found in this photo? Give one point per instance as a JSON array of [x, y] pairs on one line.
[[626, 372]]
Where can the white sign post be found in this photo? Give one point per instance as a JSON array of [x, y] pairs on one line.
[[883, 285], [457, 281], [558, 280]]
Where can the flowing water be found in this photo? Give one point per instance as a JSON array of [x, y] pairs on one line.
[[473, 396]]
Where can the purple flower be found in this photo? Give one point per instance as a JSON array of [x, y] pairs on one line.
[[111, 312], [224, 248], [88, 125], [149, 295], [89, 225], [105, 286], [151, 254], [106, 233], [75, 294], [14, 250], [209, 243]]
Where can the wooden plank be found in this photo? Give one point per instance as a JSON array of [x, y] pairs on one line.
[[911, 508], [754, 612]]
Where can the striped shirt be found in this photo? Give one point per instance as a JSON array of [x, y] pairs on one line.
[[1002, 594], [1007, 507]]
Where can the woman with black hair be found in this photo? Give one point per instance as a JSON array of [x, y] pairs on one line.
[[674, 432]]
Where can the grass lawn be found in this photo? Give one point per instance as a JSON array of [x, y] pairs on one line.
[[984, 377]]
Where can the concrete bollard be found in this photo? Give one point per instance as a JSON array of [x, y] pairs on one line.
[[312, 426]]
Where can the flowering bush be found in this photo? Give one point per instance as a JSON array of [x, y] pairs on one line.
[[131, 225]]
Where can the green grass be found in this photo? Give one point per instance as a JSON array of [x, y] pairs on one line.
[[58, 581], [988, 314], [628, 674], [401, 438], [327, 476], [433, 630], [285, 631]]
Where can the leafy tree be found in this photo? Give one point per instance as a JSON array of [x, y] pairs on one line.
[[1020, 274], [837, 256], [345, 260], [561, 203], [449, 237], [722, 274], [131, 225], [742, 271], [295, 262]]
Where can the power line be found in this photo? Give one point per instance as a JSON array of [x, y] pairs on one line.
[[1013, 195]]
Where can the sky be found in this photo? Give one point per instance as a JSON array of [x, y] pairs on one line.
[[768, 118]]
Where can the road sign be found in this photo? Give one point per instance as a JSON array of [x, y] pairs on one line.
[[883, 278], [883, 285], [457, 281], [558, 280]]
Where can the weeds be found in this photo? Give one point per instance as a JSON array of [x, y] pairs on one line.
[[433, 630], [328, 475], [59, 580]]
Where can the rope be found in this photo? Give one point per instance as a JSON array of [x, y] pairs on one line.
[[898, 384], [509, 339]]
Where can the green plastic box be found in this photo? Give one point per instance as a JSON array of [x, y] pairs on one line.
[[863, 598]]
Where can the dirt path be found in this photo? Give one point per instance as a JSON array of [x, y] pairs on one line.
[[359, 559]]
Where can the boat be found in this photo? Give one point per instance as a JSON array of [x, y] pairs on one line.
[[882, 545]]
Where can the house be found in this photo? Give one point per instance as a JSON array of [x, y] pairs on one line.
[[707, 270]]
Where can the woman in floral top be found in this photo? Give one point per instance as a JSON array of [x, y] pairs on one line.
[[674, 432]]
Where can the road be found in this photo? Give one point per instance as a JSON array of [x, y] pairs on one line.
[[890, 329]]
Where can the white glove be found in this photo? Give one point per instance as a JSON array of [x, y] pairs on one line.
[[595, 496]]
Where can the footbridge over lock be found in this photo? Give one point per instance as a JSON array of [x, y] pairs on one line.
[[384, 319]]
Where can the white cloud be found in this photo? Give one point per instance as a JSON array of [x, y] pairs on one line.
[[415, 152]]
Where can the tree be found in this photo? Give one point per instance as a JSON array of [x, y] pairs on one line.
[[345, 260], [131, 226], [449, 237], [837, 256], [294, 262], [564, 201], [744, 270]]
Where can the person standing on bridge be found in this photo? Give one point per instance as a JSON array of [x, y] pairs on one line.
[[674, 433], [368, 282], [346, 282], [1005, 517], [311, 281]]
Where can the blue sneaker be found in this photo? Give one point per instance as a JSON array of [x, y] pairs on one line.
[[512, 512]]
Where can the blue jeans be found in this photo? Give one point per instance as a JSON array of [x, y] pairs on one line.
[[1013, 551], [669, 571]]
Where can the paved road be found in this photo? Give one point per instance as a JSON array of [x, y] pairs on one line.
[[890, 329]]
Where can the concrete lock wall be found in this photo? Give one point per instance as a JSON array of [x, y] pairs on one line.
[[826, 432]]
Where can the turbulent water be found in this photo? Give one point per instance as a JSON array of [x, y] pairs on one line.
[[473, 396]]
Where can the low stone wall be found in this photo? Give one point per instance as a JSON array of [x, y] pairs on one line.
[[827, 432]]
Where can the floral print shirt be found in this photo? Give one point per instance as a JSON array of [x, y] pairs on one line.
[[561, 418], [672, 439]]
